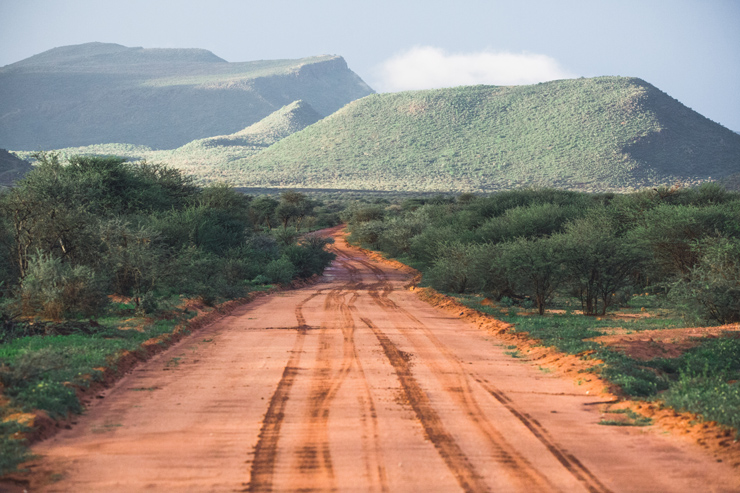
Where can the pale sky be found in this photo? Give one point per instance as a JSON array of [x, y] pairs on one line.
[[688, 48]]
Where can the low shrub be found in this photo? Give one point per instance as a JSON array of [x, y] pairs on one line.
[[280, 271], [53, 288]]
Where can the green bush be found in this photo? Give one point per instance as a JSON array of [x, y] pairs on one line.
[[280, 271], [366, 234], [711, 288], [713, 398], [53, 288], [532, 221], [309, 257]]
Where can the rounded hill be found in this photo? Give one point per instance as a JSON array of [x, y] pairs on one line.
[[605, 133]]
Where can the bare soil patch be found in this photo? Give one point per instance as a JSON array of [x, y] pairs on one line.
[[662, 343]]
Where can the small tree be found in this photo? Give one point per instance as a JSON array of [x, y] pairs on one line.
[[711, 291], [285, 212], [262, 211], [534, 267], [599, 259], [459, 267]]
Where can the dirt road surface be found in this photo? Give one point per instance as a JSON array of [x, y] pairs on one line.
[[354, 384]]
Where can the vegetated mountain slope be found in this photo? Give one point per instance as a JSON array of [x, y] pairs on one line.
[[12, 168], [605, 133], [208, 159], [286, 121], [162, 98], [732, 182]]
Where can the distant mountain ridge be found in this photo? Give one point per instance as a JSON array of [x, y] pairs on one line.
[[599, 134], [96, 54], [98, 93]]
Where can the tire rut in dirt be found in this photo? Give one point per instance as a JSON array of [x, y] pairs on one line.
[[265, 451], [457, 462], [464, 395], [571, 463], [315, 460]]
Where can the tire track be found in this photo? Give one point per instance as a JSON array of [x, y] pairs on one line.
[[265, 451], [315, 462], [520, 471], [570, 462], [457, 462], [314, 455]]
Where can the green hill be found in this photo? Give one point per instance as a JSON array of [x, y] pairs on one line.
[[208, 158], [12, 168], [286, 121], [161, 98], [605, 133]]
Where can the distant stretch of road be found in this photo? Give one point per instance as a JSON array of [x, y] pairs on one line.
[[354, 384]]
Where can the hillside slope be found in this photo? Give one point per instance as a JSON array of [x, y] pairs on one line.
[[161, 98], [208, 159], [12, 168], [605, 133]]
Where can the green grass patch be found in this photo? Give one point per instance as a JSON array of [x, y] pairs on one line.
[[713, 398], [13, 449], [41, 372], [631, 418]]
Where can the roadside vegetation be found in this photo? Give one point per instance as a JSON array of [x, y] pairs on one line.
[[542, 259], [98, 255]]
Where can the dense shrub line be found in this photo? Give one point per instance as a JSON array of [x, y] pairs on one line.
[[538, 248], [73, 233], [532, 245]]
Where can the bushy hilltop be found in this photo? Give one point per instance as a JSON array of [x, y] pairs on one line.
[[99, 93], [208, 159], [605, 133]]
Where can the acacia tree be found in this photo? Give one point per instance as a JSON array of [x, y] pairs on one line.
[[293, 206], [132, 257], [534, 267], [47, 213], [460, 267], [601, 258], [262, 211]]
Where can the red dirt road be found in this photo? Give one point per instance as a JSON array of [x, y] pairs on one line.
[[354, 384]]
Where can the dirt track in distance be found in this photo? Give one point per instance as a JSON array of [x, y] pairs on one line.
[[355, 384]]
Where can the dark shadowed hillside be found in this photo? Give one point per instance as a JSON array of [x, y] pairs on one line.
[[99, 93], [605, 133], [12, 168]]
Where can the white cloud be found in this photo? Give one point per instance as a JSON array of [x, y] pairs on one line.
[[427, 67]]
